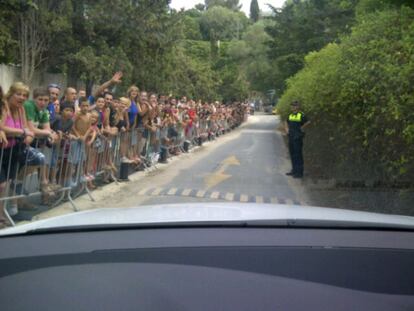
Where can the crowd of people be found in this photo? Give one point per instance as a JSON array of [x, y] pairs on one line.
[[69, 138]]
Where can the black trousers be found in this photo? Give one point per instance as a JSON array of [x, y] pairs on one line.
[[296, 154]]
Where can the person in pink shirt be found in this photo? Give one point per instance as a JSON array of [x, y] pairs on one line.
[[14, 125]]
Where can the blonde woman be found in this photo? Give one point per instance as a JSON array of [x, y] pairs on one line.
[[14, 124], [122, 122], [3, 142], [121, 114], [133, 95], [3, 138]]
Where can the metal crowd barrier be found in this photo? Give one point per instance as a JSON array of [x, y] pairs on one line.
[[69, 168], [42, 171]]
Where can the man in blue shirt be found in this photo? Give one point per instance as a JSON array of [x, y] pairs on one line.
[[54, 91]]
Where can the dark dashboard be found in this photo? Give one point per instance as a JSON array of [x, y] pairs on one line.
[[209, 269]]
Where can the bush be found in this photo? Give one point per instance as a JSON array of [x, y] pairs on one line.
[[360, 96]]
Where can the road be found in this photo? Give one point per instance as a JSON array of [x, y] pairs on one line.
[[245, 165]]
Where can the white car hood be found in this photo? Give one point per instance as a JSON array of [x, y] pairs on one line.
[[187, 213]]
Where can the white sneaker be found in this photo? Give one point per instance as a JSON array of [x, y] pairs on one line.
[[12, 209], [156, 158]]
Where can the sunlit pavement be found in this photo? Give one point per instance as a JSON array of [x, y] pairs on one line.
[[245, 165]]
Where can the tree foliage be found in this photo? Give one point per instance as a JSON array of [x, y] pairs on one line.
[[28, 31], [359, 94], [221, 23], [250, 53], [233, 5], [348, 61], [304, 26], [157, 48], [254, 11]]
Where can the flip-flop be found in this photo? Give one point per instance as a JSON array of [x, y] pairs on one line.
[[92, 187]]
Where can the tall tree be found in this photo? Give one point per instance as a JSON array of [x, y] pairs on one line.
[[220, 23], [254, 11], [105, 42], [200, 7], [304, 26], [251, 56], [8, 40], [233, 5], [37, 26]]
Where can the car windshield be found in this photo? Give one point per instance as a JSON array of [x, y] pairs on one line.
[[274, 104]]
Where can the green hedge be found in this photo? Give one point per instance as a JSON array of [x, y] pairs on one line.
[[360, 95]]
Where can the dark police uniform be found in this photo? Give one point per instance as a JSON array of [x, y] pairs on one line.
[[295, 121]]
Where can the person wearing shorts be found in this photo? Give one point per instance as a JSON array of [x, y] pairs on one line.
[[38, 122], [14, 124]]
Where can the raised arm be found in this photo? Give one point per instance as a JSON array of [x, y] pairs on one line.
[[116, 79], [143, 108]]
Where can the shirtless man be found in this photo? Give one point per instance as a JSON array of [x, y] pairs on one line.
[[81, 130], [82, 120]]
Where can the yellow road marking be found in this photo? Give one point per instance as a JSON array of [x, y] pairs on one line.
[[156, 191], [231, 160], [200, 193], [289, 201], [244, 198], [259, 199], [142, 191], [229, 196], [219, 176], [215, 195], [214, 179], [274, 200], [186, 192], [172, 191]]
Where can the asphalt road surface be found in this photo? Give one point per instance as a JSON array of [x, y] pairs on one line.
[[245, 165]]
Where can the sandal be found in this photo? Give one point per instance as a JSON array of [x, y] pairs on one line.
[[55, 187], [114, 168], [91, 186], [107, 168], [47, 189]]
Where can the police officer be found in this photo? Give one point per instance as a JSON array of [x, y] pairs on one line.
[[294, 126]]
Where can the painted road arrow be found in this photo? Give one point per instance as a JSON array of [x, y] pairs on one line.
[[219, 176]]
